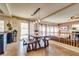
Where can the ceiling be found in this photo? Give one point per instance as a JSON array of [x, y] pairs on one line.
[[64, 15], [27, 9]]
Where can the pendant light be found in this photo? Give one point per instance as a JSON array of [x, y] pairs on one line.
[[37, 14]]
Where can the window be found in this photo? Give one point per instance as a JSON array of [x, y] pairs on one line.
[[48, 30], [56, 30], [42, 29], [31, 28], [24, 30], [51, 30], [1, 26]]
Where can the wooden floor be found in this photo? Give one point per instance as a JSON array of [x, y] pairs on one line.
[[52, 50], [11, 49]]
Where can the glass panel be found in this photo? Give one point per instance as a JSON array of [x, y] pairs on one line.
[[51, 30]]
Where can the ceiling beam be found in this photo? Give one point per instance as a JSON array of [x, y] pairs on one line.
[[58, 10], [17, 17], [8, 8]]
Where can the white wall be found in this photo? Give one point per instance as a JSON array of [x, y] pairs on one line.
[[15, 24]]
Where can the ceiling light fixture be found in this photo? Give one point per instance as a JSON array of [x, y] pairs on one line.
[[37, 14], [38, 9]]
